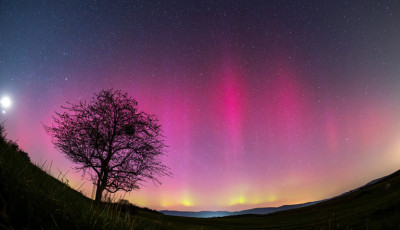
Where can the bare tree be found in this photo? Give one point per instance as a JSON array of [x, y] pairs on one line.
[[111, 141]]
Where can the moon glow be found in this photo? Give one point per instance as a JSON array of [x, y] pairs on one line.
[[5, 103]]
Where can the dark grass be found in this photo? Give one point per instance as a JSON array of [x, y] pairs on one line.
[[32, 199]]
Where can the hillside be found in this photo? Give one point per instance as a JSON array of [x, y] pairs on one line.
[[31, 199]]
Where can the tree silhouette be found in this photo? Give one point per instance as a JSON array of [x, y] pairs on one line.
[[111, 141]]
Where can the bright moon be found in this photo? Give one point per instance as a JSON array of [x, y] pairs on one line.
[[5, 102]]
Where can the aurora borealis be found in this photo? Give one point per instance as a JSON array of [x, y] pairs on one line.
[[262, 103]]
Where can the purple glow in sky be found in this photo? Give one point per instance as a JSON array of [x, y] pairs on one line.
[[262, 104]]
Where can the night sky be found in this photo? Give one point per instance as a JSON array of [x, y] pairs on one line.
[[263, 103]]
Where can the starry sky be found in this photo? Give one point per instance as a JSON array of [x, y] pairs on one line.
[[263, 103]]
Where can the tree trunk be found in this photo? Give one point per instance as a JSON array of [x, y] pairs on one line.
[[99, 192], [101, 185]]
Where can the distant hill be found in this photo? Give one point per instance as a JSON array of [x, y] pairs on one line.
[[258, 211]]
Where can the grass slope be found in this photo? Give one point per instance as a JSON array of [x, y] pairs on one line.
[[32, 199]]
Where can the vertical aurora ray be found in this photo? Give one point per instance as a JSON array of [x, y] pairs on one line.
[[229, 103]]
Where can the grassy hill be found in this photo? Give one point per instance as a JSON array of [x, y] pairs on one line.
[[32, 199]]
